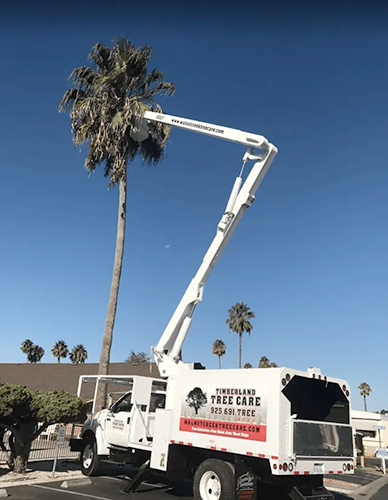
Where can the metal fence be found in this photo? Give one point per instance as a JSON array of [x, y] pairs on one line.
[[43, 448]]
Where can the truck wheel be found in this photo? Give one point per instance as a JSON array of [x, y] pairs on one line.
[[89, 457], [214, 480]]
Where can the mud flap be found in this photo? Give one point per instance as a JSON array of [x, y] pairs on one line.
[[246, 481]]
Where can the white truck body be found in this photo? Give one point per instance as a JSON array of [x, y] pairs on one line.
[[244, 412], [271, 425]]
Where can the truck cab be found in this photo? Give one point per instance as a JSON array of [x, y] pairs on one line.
[[123, 432]]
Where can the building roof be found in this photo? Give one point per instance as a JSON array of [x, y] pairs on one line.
[[367, 415], [51, 376]]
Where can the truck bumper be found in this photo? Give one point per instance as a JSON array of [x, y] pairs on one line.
[[76, 444]]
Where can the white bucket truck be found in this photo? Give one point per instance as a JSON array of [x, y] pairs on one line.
[[233, 432]]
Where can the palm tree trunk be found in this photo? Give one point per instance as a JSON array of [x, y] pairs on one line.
[[219, 362], [239, 349], [365, 403], [59, 360], [103, 367]]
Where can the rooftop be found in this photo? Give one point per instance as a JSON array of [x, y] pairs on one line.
[[51, 376]]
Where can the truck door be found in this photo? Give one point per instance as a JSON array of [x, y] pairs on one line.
[[118, 421], [158, 400]]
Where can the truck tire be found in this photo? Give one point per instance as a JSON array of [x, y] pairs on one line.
[[89, 457], [214, 480]]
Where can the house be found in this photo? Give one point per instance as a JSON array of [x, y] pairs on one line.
[[365, 423]]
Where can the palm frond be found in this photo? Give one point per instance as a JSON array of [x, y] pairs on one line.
[[151, 151], [85, 77], [155, 76], [69, 98], [101, 56]]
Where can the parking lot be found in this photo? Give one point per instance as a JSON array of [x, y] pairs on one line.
[[114, 479], [103, 488], [106, 488]]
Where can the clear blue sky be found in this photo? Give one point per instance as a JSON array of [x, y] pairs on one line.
[[310, 256]]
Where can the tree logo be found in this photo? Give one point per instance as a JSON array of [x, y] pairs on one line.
[[196, 398]]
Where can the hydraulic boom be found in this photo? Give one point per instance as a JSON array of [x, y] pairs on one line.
[[262, 153]]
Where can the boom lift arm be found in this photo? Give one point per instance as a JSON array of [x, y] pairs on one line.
[[262, 153]]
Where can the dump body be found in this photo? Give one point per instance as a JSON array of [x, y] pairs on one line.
[[298, 422], [282, 415]]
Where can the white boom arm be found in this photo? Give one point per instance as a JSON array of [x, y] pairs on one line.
[[167, 352], [226, 133]]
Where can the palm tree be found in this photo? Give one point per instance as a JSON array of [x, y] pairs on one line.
[[60, 350], [219, 349], [26, 346], [266, 363], [78, 354], [238, 321], [105, 105], [365, 391], [35, 354], [248, 365]]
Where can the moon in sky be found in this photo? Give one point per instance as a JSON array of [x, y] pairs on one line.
[[167, 246]]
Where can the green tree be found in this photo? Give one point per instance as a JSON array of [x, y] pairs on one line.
[[138, 357], [78, 354], [266, 363], [26, 346], [26, 414], [365, 390], [60, 350], [105, 105], [248, 365], [238, 322], [219, 349]]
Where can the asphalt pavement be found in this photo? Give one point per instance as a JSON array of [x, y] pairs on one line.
[[103, 488], [359, 478], [382, 494], [111, 485], [107, 488]]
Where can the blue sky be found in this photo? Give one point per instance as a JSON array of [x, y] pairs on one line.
[[309, 257]]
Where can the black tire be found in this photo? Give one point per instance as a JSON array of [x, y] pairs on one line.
[[214, 472], [89, 457]]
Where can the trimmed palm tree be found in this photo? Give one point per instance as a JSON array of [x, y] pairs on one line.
[[105, 105], [78, 354], [60, 350], [238, 322], [365, 391], [266, 363], [26, 347], [219, 349], [248, 365]]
